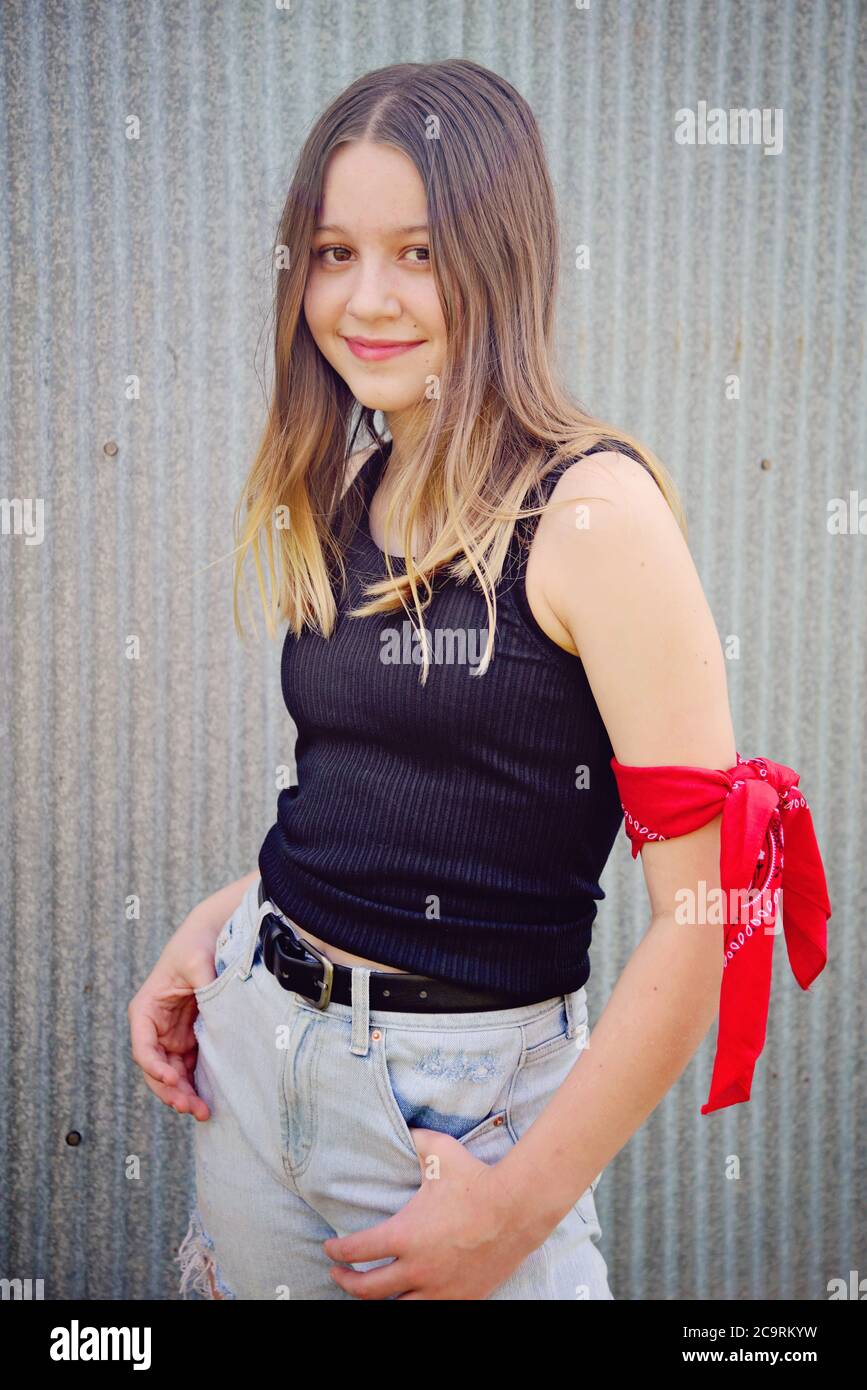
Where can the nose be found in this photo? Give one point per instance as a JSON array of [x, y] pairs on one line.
[[372, 294]]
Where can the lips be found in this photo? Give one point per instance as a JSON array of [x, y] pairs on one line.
[[377, 349]]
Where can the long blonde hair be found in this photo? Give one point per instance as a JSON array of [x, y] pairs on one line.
[[496, 421]]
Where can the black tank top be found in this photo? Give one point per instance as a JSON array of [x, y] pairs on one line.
[[459, 828]]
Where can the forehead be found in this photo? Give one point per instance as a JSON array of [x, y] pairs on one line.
[[374, 230], [372, 189]]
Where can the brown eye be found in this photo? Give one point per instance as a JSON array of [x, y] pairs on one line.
[[324, 252]]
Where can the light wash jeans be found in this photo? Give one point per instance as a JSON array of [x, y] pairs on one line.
[[308, 1135]]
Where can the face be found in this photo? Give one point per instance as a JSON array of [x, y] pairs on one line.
[[370, 279]]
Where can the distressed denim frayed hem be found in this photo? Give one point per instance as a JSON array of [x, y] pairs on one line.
[[198, 1265]]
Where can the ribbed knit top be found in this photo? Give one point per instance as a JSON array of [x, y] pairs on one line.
[[459, 828]]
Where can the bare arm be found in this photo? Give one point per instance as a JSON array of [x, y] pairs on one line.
[[627, 591], [202, 925]]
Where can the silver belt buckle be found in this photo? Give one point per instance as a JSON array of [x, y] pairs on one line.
[[266, 906], [328, 972]]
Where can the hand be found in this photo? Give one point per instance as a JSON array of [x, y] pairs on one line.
[[161, 1018], [459, 1237]]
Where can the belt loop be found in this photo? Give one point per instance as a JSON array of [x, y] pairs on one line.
[[248, 904], [569, 1001], [360, 1043], [576, 1017], [571, 1014]]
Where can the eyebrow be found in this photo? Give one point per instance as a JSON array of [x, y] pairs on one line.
[[397, 231]]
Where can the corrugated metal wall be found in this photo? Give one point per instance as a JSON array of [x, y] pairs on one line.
[[134, 278]]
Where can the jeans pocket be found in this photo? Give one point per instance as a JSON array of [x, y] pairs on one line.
[[228, 950], [456, 1081], [543, 1070], [557, 1040], [491, 1139]]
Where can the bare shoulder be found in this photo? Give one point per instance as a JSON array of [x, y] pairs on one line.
[[600, 509], [606, 523], [621, 488], [616, 571], [597, 500]]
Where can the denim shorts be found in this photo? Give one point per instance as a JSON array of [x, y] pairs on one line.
[[309, 1136]]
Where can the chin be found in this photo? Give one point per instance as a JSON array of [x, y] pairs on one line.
[[380, 400], [384, 397]]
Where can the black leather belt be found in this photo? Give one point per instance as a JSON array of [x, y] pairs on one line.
[[300, 967]]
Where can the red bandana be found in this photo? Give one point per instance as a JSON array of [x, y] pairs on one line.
[[759, 800]]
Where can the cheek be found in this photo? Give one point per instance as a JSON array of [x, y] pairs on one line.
[[322, 314], [433, 314], [438, 340], [426, 316], [315, 304], [325, 297]]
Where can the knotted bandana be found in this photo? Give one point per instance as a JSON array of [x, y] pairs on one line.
[[764, 818]]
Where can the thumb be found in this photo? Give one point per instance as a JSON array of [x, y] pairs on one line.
[[374, 1243], [428, 1141]]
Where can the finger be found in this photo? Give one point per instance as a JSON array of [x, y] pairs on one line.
[[170, 1076], [373, 1284], [178, 1090], [192, 1104], [181, 1097], [374, 1243], [147, 1052]]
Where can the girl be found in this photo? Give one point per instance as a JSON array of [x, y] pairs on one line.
[[388, 1048]]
